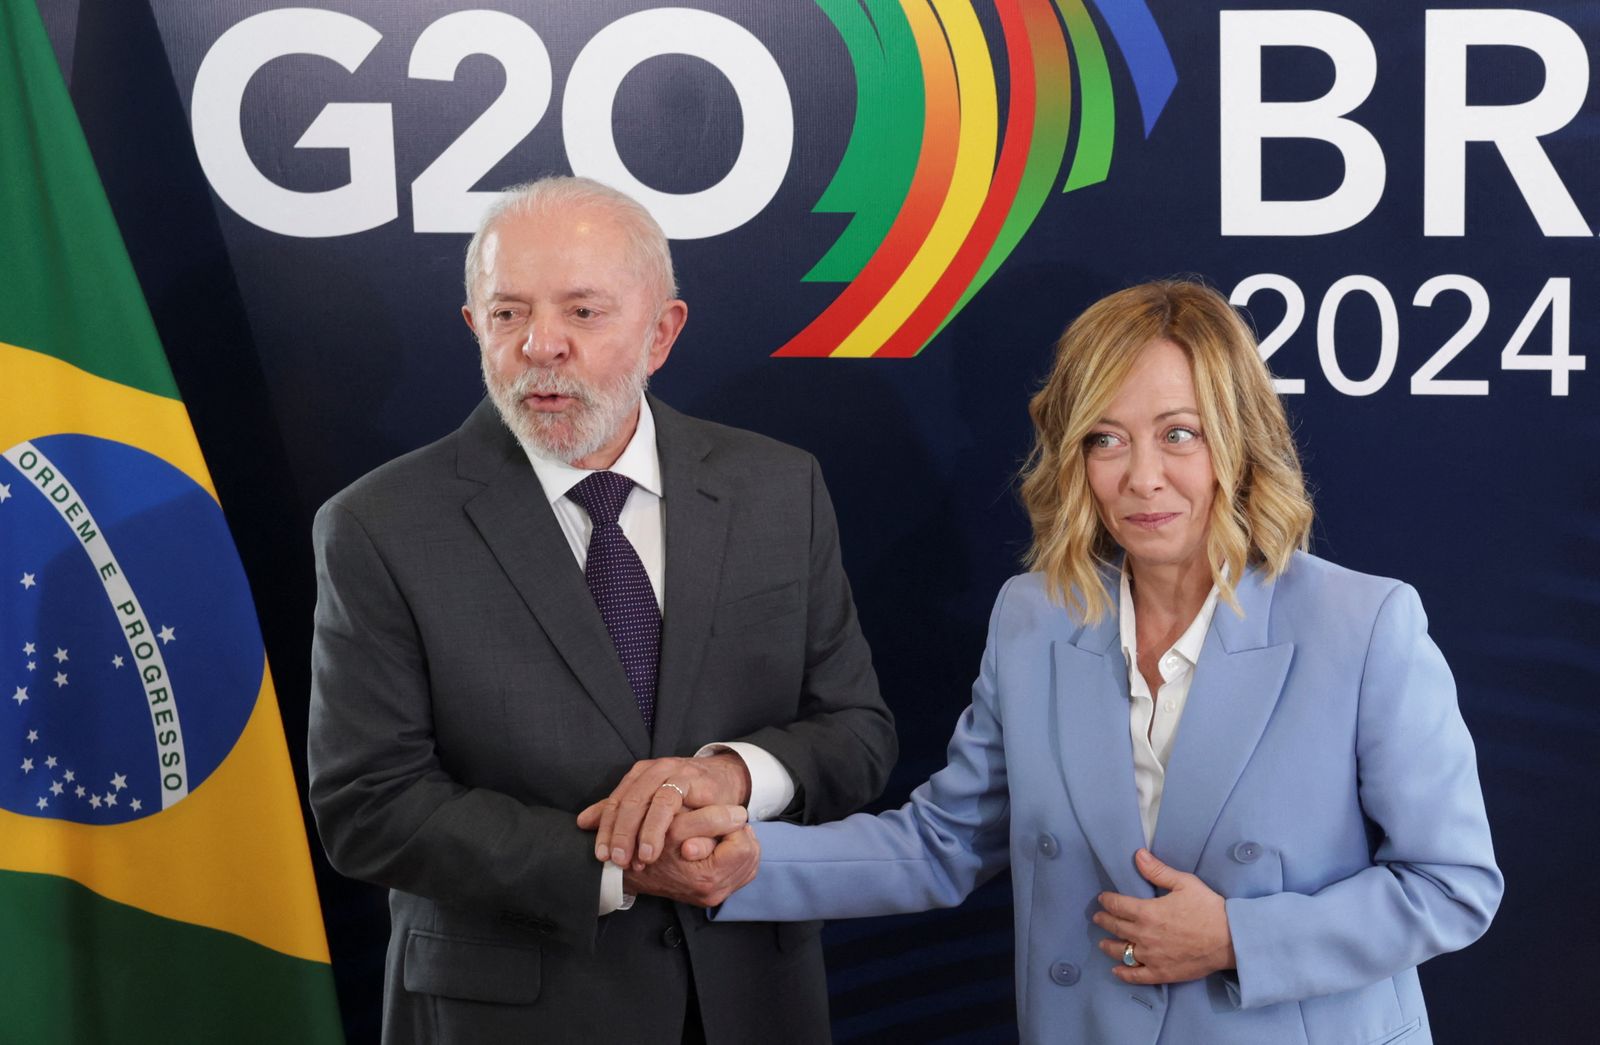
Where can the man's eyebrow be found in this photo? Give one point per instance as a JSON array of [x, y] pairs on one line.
[[581, 293]]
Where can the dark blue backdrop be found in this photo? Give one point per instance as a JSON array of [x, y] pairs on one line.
[[307, 361]]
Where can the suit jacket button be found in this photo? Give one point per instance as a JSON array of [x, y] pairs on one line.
[[672, 936], [1048, 847], [1064, 973], [1246, 852]]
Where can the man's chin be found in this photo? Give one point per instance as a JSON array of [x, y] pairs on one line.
[[556, 438]]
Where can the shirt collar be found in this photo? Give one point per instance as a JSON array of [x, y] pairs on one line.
[[640, 461], [1192, 640]]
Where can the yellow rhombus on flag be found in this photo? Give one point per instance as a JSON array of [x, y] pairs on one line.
[[155, 883]]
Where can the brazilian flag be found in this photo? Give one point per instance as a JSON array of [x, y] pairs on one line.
[[155, 884]]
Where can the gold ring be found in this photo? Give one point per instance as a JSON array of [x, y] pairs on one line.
[[681, 792]]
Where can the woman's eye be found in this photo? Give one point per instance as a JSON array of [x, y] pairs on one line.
[[1100, 441], [1182, 435]]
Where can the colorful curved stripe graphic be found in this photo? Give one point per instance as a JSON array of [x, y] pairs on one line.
[[940, 192]]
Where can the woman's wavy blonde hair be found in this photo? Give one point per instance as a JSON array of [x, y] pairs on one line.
[[1261, 513]]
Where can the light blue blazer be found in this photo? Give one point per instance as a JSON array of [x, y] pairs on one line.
[[1322, 780]]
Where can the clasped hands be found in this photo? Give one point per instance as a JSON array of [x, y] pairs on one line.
[[677, 828]]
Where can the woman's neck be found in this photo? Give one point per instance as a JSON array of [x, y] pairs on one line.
[[1167, 596]]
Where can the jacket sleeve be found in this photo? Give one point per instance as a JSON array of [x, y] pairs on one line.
[[388, 813], [951, 837], [841, 745], [1433, 885]]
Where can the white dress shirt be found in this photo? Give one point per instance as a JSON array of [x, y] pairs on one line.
[[1153, 721], [643, 522]]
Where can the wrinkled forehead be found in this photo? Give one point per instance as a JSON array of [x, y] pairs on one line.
[[590, 245]]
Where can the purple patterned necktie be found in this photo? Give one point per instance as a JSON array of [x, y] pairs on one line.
[[621, 588]]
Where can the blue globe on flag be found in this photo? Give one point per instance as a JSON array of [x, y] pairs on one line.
[[130, 657]]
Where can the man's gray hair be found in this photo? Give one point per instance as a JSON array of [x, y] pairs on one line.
[[647, 244]]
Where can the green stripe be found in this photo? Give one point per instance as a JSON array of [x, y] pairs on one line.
[[67, 288], [1052, 121], [1097, 123], [881, 157], [78, 969]]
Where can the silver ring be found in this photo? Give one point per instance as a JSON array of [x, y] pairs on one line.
[[1127, 956], [681, 792]]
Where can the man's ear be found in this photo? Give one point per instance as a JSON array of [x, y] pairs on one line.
[[669, 324]]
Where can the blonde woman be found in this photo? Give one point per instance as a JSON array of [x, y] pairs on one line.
[[1230, 778]]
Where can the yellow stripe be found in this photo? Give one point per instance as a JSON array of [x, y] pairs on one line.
[[40, 395], [233, 854], [969, 184]]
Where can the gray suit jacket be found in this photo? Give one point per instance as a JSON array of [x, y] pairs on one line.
[[467, 702]]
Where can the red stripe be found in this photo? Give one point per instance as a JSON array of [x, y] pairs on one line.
[[957, 276], [930, 184]]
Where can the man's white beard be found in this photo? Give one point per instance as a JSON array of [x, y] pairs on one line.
[[587, 424]]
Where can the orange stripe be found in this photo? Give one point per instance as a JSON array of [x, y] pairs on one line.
[[921, 324], [935, 170]]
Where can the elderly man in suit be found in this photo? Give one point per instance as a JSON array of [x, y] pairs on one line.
[[561, 605]]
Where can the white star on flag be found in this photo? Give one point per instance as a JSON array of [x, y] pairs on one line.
[[116, 662], [60, 655], [61, 679], [20, 695], [56, 788], [50, 762], [5, 493], [119, 781], [43, 802], [28, 581], [71, 776], [166, 634], [33, 736], [136, 805], [111, 798], [27, 649], [78, 790], [27, 765], [94, 800], [31, 665]]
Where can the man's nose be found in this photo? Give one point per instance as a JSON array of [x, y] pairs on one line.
[[545, 342]]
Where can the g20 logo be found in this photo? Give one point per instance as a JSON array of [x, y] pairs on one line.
[[940, 190], [442, 199]]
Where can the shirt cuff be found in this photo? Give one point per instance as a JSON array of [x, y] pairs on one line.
[[612, 898], [771, 786]]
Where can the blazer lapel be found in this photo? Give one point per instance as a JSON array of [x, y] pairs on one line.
[[1236, 686], [697, 505], [1089, 686], [514, 519]]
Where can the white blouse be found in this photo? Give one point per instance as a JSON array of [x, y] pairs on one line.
[[1153, 721]]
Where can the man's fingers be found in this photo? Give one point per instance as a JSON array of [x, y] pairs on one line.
[[589, 819], [602, 837], [653, 832], [707, 822]]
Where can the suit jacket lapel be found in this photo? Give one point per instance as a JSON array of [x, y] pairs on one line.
[[697, 504], [1236, 686], [515, 521], [1090, 707]]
